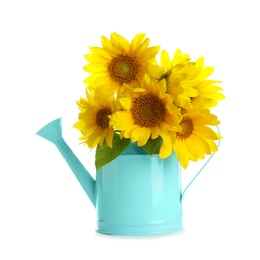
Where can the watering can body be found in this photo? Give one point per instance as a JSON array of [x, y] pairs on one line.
[[135, 194], [139, 194]]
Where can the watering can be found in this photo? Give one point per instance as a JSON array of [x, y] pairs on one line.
[[136, 194]]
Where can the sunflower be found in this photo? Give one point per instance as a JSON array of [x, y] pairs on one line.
[[176, 72], [196, 139], [187, 81], [208, 92], [94, 121], [148, 112], [120, 62]]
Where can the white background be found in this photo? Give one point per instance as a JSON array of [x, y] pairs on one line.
[[44, 213]]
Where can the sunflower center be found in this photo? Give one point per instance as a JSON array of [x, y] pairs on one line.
[[148, 111], [102, 119], [187, 128], [123, 69]]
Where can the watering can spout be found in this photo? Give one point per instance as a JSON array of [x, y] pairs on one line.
[[53, 133]]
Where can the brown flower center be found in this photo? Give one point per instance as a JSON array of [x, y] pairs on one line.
[[187, 128], [123, 69], [102, 119], [148, 111]]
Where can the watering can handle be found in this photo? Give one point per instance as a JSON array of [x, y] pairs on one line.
[[199, 170]]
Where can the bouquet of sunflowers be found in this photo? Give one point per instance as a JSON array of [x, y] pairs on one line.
[[164, 106]]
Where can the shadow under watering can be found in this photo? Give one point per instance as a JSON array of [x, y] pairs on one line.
[[136, 194]]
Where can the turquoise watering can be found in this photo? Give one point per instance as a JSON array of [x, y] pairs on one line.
[[135, 194]]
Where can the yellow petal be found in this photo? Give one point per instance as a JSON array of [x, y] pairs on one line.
[[120, 42], [129, 130], [137, 41], [145, 133], [97, 51], [109, 136], [108, 47], [207, 71], [121, 120], [149, 53], [166, 148], [165, 61], [126, 103]]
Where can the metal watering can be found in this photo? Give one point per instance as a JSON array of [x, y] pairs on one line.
[[135, 194]]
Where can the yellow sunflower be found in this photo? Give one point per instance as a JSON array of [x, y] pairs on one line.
[[119, 61], [196, 139], [208, 92], [148, 112], [93, 120], [176, 73], [187, 81]]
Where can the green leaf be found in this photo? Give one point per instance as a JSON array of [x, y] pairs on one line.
[[105, 154], [153, 145], [166, 75]]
